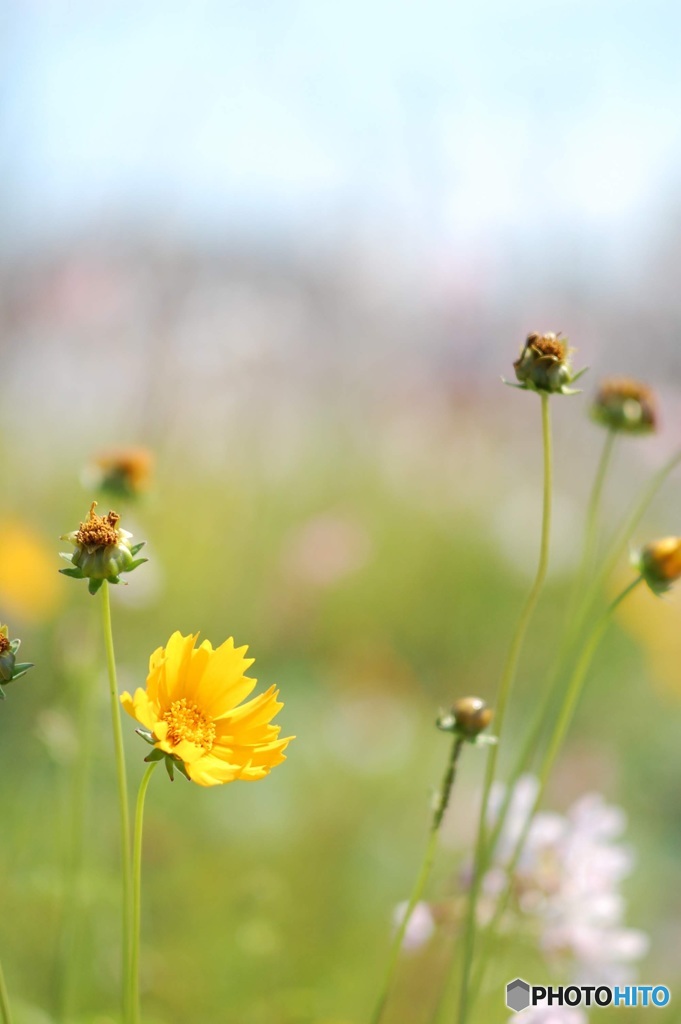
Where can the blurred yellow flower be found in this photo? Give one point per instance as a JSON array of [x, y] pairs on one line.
[[192, 712], [123, 472], [29, 588]]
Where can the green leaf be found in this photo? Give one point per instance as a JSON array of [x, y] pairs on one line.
[[580, 373], [94, 585], [2, 693], [138, 561], [169, 768], [137, 547], [14, 645], [146, 735], [75, 574]]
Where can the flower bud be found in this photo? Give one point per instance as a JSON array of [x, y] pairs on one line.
[[102, 550], [660, 563], [10, 668], [625, 405], [468, 717], [122, 472], [544, 364]]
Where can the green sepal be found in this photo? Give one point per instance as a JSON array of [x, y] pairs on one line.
[[94, 585], [512, 384], [137, 547], [74, 573], [182, 769], [2, 693], [66, 555], [146, 735], [21, 669], [14, 645], [571, 391], [138, 561], [170, 769], [579, 374], [155, 755], [113, 579]]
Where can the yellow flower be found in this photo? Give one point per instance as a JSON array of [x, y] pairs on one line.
[[192, 713], [659, 563], [123, 472]]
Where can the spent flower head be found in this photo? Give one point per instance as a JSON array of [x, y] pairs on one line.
[[102, 550], [121, 472], [192, 713], [659, 563], [625, 405], [10, 668], [545, 364]]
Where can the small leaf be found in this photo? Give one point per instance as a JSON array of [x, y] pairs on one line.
[[169, 769], [14, 645], [94, 585], [2, 693], [75, 574], [146, 735], [137, 547], [138, 561], [182, 769]]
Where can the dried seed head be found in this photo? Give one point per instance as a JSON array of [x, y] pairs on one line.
[[544, 364]]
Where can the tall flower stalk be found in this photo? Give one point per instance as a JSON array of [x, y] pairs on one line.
[[132, 986], [468, 718], [102, 551], [507, 679], [544, 366], [123, 808], [572, 694]]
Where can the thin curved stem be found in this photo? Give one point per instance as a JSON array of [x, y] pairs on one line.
[[572, 695], [126, 871], [422, 877], [132, 981], [508, 676], [576, 622], [5, 1011]]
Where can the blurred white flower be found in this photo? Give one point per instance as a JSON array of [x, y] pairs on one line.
[[567, 881], [420, 928]]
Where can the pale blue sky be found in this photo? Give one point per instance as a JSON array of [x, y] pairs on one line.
[[467, 120]]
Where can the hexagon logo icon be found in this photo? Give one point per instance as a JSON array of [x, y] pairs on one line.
[[517, 995]]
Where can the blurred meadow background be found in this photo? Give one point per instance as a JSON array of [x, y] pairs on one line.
[[291, 248]]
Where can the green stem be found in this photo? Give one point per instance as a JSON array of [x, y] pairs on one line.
[[572, 695], [5, 1011], [575, 624], [132, 985], [543, 713], [122, 790], [507, 679], [422, 877], [72, 896]]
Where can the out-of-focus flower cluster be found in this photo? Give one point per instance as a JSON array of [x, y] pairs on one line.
[[566, 885]]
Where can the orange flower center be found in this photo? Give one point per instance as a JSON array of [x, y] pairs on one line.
[[188, 722], [98, 531], [548, 345], [4, 644]]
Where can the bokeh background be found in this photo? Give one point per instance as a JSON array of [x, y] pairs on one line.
[[291, 248]]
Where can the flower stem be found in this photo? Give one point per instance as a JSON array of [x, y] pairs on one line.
[[132, 986], [122, 791], [5, 1012], [565, 716], [422, 877], [507, 679]]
